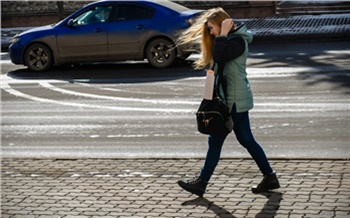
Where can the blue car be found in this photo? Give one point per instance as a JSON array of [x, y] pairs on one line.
[[107, 31]]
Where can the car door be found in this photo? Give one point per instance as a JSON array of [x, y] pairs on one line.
[[86, 37], [129, 31]]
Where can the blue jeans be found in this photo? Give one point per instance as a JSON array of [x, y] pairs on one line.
[[245, 138]]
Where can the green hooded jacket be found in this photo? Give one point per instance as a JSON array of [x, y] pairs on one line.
[[232, 51]]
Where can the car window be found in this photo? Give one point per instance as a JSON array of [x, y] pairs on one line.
[[98, 14], [172, 5], [133, 12]]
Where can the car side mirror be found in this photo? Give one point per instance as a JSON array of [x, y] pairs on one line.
[[70, 23]]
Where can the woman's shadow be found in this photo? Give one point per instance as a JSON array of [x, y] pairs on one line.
[[271, 206], [269, 210], [201, 201]]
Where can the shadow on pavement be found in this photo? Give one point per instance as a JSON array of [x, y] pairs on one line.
[[269, 210], [110, 73], [271, 206], [201, 201]]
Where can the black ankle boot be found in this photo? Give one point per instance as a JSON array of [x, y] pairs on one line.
[[196, 186], [268, 183]]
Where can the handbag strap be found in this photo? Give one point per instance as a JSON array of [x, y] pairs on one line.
[[220, 81]]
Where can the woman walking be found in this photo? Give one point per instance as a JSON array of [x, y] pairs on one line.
[[225, 46]]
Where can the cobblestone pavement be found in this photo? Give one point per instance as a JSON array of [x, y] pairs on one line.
[[147, 188]]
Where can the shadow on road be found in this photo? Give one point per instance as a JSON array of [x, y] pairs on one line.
[[111, 73], [327, 61]]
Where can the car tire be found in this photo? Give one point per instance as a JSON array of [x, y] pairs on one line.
[[38, 57], [161, 53]]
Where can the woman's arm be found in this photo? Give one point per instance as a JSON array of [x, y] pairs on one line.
[[226, 49]]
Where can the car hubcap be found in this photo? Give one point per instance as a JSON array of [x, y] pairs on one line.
[[38, 58], [161, 52]]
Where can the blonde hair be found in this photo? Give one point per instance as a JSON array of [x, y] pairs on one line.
[[199, 33]]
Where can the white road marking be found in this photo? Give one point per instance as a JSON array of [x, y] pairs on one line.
[[9, 89], [278, 72], [5, 62], [273, 106], [75, 93]]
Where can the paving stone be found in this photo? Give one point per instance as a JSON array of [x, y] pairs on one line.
[[147, 188]]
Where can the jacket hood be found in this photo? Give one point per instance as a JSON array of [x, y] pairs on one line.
[[244, 32]]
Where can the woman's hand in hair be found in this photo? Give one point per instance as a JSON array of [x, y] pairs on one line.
[[226, 26]]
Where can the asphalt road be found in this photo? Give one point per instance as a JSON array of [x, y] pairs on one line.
[[124, 110]]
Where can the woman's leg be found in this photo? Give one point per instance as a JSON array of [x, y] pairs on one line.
[[213, 156], [198, 185], [246, 139]]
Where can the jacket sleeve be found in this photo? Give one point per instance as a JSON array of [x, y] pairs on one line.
[[226, 49]]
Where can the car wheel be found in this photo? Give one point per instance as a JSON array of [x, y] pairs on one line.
[[38, 57], [160, 53]]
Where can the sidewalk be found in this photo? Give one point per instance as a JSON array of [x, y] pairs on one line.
[[305, 27], [147, 188]]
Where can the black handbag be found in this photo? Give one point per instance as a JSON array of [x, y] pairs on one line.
[[213, 116]]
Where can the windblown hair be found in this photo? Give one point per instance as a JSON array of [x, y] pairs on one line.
[[199, 34]]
